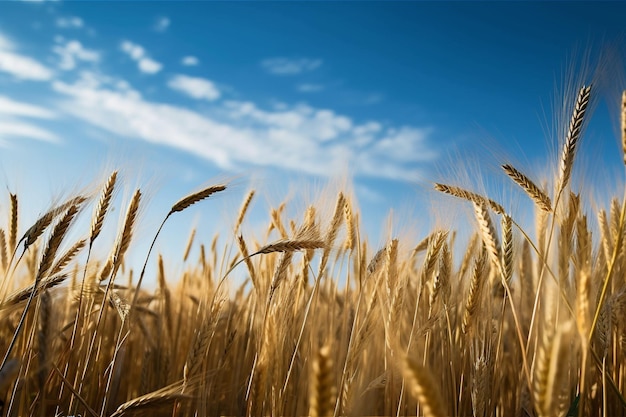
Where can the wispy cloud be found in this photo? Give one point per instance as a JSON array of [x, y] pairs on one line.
[[13, 124], [235, 134], [12, 107], [21, 66], [288, 66], [162, 24], [72, 22], [137, 53], [70, 52], [198, 88], [190, 61], [309, 88]]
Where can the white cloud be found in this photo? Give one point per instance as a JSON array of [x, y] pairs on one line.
[[20, 66], [198, 88], [73, 51], [15, 128], [309, 88], [149, 66], [12, 125], [190, 61], [11, 107], [162, 23], [72, 22], [236, 134], [137, 53], [133, 50], [23, 67], [287, 66], [5, 43]]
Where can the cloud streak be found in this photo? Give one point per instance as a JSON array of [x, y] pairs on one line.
[[20, 66], [288, 66], [190, 61], [13, 125], [72, 22]]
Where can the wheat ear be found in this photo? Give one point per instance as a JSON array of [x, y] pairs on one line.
[[156, 399], [37, 229], [507, 247], [322, 385], [195, 197], [350, 229], [475, 289], [13, 223], [244, 209], [551, 369], [67, 257], [488, 233], [573, 135], [423, 386], [58, 233], [624, 124], [469, 196], [534, 192], [102, 207], [3, 249]]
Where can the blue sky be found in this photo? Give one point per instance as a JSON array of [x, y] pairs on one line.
[[281, 94]]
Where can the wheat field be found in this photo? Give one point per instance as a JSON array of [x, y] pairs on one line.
[[512, 322]]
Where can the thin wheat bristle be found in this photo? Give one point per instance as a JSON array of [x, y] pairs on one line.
[[536, 194], [196, 197]]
